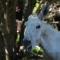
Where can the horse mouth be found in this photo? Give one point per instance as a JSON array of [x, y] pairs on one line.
[[27, 45]]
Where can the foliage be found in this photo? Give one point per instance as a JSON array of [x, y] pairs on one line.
[[38, 50], [37, 8], [18, 38]]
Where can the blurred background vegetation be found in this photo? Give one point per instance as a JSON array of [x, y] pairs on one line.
[[8, 34]]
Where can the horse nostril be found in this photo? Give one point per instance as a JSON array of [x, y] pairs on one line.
[[26, 42]]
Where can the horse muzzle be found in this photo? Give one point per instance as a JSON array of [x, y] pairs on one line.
[[26, 42]]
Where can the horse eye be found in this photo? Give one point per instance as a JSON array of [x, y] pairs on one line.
[[37, 27]]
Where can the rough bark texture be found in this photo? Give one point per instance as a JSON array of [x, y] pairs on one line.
[[7, 17]]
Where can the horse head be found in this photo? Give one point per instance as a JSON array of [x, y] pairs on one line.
[[34, 27], [32, 30]]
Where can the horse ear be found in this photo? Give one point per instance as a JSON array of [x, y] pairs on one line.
[[44, 11], [29, 17]]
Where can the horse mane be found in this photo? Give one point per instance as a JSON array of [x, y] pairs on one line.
[[49, 27], [46, 26]]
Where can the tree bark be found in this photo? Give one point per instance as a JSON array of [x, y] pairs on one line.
[[9, 26]]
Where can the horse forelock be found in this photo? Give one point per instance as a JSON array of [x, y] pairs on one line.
[[32, 19]]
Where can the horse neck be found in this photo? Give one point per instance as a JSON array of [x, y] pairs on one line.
[[46, 36], [48, 29], [50, 44]]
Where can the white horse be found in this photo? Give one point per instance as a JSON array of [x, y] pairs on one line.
[[39, 32]]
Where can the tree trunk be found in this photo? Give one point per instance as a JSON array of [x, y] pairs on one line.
[[27, 8], [9, 27]]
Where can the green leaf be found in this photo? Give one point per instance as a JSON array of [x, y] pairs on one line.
[[37, 50], [18, 38]]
